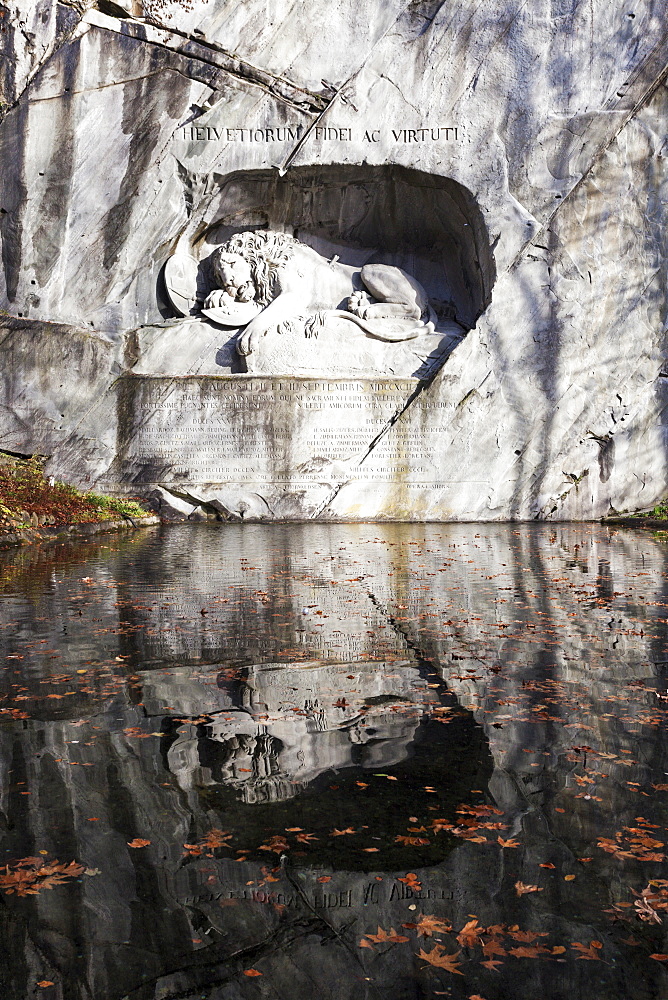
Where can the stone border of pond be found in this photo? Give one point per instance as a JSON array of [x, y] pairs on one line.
[[72, 532], [636, 521]]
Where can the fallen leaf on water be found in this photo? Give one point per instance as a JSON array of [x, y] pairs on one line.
[[411, 841], [390, 936], [568, 878], [659, 957], [412, 881], [441, 959], [293, 829], [341, 833], [138, 842], [528, 951], [366, 944], [548, 864], [427, 925], [29, 876], [521, 888], [370, 850], [324, 878], [45, 982], [588, 952], [526, 937], [507, 843], [252, 972], [469, 934]]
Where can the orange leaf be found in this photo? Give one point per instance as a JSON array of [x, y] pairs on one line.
[[526, 937], [469, 934], [45, 982], [521, 888], [391, 936], [528, 951], [659, 957], [507, 843], [324, 878], [252, 972], [370, 850], [426, 925], [491, 963], [138, 842], [587, 952], [441, 959], [411, 881], [341, 833], [366, 944]]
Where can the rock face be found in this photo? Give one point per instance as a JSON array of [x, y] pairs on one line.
[[510, 160]]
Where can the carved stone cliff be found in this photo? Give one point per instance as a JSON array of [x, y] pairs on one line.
[[510, 158]]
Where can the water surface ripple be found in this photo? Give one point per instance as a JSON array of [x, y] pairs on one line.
[[372, 761]]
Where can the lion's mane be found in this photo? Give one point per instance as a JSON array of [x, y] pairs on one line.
[[266, 252]]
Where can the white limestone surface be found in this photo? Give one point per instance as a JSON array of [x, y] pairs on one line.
[[510, 157]]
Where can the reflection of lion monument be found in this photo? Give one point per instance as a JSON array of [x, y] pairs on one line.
[[270, 283]]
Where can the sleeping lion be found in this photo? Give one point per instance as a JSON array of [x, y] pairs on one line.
[[268, 281]]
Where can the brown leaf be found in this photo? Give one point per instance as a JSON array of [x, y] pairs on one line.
[[341, 833], [138, 842], [526, 937], [427, 925], [412, 881], [469, 934], [588, 952], [411, 841], [441, 959], [507, 843], [528, 951], [521, 888], [390, 936], [491, 963], [493, 947], [659, 957]]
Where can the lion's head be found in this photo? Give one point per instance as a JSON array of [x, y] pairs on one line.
[[265, 253]]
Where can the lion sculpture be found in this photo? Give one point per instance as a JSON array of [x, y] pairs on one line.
[[269, 282]]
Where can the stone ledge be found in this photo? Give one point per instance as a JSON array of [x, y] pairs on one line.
[[65, 532]]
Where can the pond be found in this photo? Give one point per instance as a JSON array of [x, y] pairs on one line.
[[372, 761]]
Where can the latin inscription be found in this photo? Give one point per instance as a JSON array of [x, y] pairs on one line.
[[263, 430], [320, 134]]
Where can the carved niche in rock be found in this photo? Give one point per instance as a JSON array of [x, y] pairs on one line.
[[369, 270]]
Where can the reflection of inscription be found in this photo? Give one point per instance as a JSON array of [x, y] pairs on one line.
[[372, 894]]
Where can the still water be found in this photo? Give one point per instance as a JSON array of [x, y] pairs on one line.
[[367, 761]]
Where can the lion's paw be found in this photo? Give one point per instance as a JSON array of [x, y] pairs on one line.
[[358, 303]]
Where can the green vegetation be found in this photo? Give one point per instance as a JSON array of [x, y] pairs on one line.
[[658, 513], [28, 498]]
